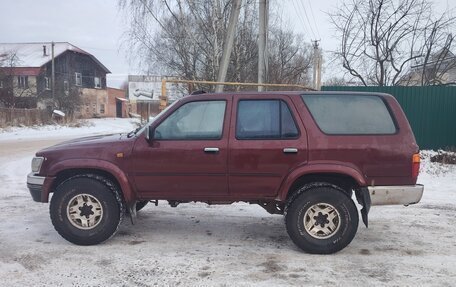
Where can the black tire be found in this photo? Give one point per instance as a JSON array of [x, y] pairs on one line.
[[316, 205], [141, 204], [102, 207]]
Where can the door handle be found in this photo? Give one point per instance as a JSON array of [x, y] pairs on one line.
[[290, 150], [211, 149]]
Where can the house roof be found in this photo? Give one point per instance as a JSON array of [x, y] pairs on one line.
[[32, 55]]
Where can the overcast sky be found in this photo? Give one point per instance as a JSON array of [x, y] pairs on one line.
[[96, 26]]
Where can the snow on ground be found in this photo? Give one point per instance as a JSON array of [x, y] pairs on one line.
[[89, 127], [235, 245]]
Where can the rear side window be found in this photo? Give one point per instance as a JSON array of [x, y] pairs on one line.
[[265, 119], [350, 114]]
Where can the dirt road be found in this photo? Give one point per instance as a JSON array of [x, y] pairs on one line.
[[237, 245]]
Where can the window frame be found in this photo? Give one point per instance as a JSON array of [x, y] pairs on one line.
[[76, 79], [199, 139], [280, 117], [23, 85], [95, 82], [66, 86], [47, 84], [385, 102]]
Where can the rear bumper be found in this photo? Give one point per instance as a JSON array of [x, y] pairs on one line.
[[396, 195], [35, 185]]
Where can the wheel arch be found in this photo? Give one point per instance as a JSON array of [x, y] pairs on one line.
[[108, 170], [347, 178]]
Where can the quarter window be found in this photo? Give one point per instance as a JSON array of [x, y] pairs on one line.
[[265, 119], [202, 120], [350, 114]]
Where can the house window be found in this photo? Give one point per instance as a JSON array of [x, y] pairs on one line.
[[66, 87], [97, 82], [47, 83], [1, 84], [78, 79], [22, 82], [102, 108]]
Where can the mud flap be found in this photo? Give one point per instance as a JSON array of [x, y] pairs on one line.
[[363, 198], [132, 212]]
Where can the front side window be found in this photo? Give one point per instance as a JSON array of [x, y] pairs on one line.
[[265, 119], [78, 79], [202, 120], [350, 114]]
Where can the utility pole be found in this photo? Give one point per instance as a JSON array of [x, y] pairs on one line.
[[263, 43], [316, 66], [53, 74], [228, 45]]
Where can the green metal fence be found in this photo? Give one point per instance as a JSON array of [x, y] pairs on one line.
[[431, 111]]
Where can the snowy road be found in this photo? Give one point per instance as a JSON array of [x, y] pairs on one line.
[[237, 245]]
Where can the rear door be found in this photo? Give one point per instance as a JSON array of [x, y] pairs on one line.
[[266, 142]]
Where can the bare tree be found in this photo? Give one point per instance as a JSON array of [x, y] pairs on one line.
[[185, 38], [11, 94], [381, 40]]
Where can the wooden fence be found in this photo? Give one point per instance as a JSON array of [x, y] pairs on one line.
[[26, 117]]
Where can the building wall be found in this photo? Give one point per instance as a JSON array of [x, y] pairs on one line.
[[113, 95], [94, 103]]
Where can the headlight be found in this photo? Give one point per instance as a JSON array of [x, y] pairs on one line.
[[36, 164]]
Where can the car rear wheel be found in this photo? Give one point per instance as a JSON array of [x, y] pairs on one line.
[[321, 219], [86, 209]]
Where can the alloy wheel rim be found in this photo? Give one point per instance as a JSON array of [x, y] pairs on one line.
[[84, 211], [321, 220]]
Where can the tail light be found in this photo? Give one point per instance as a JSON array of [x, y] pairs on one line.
[[415, 165]]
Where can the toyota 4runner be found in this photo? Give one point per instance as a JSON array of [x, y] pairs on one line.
[[300, 154]]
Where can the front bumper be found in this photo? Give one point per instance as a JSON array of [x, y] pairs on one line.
[[396, 195], [35, 185]]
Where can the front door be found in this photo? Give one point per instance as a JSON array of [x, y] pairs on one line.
[[187, 157], [267, 141]]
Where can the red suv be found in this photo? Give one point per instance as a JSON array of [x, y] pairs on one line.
[[301, 154]]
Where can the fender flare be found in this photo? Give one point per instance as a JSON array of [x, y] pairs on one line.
[[106, 166], [319, 168]]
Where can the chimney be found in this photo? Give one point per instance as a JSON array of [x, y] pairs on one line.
[[44, 51]]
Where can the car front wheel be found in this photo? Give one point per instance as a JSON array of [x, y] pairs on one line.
[[86, 209]]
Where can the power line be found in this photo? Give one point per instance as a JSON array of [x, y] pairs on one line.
[[307, 18], [299, 16], [313, 17]]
